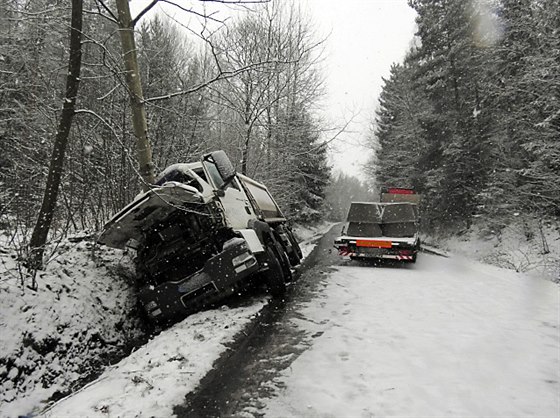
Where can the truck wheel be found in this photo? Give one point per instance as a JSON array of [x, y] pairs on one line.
[[275, 275], [295, 255], [284, 262]]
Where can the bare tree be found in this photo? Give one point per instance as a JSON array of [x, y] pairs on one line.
[[41, 230], [277, 37], [133, 78], [134, 84]]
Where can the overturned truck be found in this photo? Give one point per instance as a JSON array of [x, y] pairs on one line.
[[201, 233], [382, 230]]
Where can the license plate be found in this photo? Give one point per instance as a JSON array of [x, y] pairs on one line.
[[374, 244]]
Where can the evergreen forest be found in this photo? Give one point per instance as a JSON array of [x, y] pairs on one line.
[[471, 118]]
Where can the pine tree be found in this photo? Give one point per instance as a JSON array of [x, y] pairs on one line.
[[486, 81], [450, 70], [404, 151]]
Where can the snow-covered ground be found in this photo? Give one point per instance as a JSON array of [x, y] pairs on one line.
[[152, 380], [446, 337], [526, 245], [443, 338], [307, 236], [160, 374], [82, 317]]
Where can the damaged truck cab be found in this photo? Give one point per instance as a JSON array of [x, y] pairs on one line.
[[201, 233]]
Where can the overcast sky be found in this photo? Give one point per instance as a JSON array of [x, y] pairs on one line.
[[366, 37]]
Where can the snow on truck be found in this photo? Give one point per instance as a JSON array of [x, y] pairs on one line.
[[201, 233], [382, 230]]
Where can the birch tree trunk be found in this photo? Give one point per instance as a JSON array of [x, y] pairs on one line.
[[134, 84]]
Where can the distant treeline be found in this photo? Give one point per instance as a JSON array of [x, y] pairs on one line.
[[471, 119]]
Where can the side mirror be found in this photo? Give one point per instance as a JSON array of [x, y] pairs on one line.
[[223, 165]]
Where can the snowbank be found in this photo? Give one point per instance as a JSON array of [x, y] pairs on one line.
[[308, 235], [529, 246], [152, 380], [81, 317]]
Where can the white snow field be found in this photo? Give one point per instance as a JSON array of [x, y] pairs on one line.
[[443, 338]]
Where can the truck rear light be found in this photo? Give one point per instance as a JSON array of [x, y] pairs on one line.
[[156, 312], [344, 251], [240, 259], [399, 190], [248, 264]]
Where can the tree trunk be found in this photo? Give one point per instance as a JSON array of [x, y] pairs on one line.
[[245, 152], [44, 220], [134, 84]]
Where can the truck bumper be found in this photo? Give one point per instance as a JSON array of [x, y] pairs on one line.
[[400, 256], [375, 249], [216, 280]]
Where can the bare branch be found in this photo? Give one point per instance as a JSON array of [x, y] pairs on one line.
[[143, 12], [113, 18], [192, 11], [222, 75], [133, 163]]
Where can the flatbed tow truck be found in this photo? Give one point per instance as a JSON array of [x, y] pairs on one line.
[[382, 230]]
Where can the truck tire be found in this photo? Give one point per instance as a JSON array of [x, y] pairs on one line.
[[295, 255], [275, 280], [284, 260]]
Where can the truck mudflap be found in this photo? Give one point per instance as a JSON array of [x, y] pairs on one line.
[[401, 250], [218, 278]]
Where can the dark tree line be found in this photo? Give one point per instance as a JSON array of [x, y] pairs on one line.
[[471, 118], [249, 88], [342, 191]]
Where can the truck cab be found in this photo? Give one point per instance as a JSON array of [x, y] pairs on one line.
[[201, 233]]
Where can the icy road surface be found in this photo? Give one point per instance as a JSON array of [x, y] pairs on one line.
[[444, 337]]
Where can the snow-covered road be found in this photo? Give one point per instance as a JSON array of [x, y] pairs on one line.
[[445, 337]]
